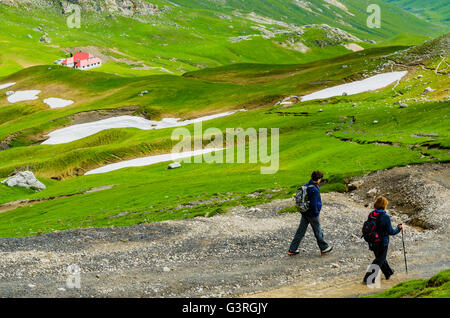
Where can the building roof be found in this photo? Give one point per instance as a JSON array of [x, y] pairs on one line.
[[81, 59], [82, 56]]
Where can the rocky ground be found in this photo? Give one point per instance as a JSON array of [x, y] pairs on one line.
[[242, 252]]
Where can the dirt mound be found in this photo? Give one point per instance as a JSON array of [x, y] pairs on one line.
[[419, 192], [99, 114]]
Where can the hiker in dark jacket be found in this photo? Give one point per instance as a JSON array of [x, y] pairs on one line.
[[311, 217], [384, 229]]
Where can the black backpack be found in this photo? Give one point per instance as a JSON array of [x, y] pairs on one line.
[[301, 198], [369, 229]]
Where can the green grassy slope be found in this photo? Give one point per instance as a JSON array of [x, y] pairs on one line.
[[437, 286], [169, 96], [263, 73], [436, 11], [342, 140]]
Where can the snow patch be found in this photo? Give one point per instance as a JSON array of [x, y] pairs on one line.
[[146, 161], [20, 96], [80, 131], [57, 102], [366, 85], [2, 86]]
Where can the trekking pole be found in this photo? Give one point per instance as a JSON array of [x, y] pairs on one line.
[[404, 252]]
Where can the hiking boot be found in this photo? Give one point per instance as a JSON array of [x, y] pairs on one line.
[[389, 275], [366, 277], [327, 250], [293, 253]]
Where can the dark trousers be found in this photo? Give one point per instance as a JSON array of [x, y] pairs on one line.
[[315, 224], [380, 252]]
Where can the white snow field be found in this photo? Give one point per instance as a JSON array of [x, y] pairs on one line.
[[75, 132], [54, 102], [2, 86], [146, 161], [21, 96], [365, 85]]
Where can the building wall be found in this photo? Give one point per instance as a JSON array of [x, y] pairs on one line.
[[89, 67]]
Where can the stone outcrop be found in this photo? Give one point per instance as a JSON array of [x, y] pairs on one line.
[[119, 7], [25, 179]]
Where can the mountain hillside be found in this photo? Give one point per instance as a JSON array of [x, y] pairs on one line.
[[137, 37], [403, 123], [351, 15], [437, 11]]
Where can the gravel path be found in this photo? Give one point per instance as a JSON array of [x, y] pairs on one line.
[[240, 253]]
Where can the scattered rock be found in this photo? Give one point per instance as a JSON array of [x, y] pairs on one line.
[[372, 191], [166, 269], [174, 165], [403, 105], [428, 90], [45, 39], [143, 93], [375, 121]]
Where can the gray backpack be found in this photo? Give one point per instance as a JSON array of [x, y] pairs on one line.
[[301, 198]]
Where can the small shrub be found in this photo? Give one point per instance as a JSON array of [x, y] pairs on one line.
[[291, 209]]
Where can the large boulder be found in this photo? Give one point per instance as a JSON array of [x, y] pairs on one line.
[[355, 185], [24, 179]]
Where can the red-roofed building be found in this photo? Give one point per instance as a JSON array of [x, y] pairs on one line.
[[82, 61]]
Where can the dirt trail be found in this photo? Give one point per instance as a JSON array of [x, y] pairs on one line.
[[349, 285], [20, 203], [242, 252], [344, 286]]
